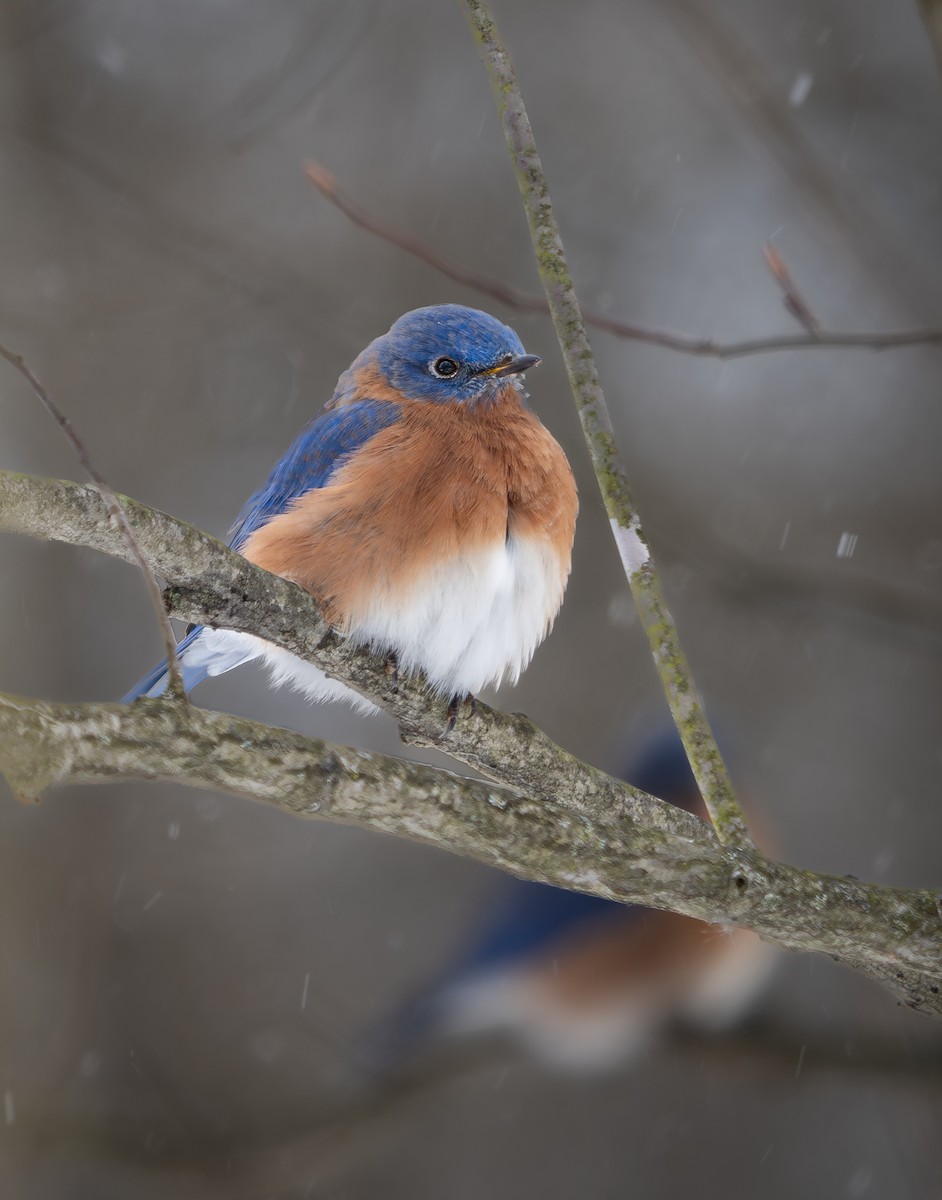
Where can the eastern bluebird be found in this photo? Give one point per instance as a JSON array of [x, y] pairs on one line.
[[582, 982], [426, 508]]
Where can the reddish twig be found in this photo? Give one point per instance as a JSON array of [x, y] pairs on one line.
[[505, 293], [175, 678], [794, 301]]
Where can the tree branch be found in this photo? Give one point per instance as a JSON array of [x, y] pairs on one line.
[[683, 343], [556, 820], [670, 661], [892, 931], [213, 585]]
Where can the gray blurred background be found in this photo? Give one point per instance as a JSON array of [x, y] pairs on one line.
[[180, 972]]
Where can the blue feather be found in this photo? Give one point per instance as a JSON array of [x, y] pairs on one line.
[[474, 340], [154, 682], [318, 450]]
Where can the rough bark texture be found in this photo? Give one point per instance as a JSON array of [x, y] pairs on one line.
[[895, 934], [213, 585], [553, 819]]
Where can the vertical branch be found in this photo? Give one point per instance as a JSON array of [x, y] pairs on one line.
[[682, 696], [175, 677]]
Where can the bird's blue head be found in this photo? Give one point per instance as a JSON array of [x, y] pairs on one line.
[[450, 354]]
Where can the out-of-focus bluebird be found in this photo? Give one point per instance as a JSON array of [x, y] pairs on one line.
[[586, 983], [426, 508]]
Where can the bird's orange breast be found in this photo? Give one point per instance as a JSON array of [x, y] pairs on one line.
[[443, 482]]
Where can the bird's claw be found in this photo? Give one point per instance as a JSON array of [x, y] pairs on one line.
[[454, 707]]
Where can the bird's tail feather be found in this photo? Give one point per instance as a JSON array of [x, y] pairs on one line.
[[194, 667]]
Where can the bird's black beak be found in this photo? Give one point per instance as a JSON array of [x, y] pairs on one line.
[[513, 366]]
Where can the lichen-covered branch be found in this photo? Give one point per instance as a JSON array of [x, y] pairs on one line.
[[553, 818], [685, 703], [213, 585], [894, 933]]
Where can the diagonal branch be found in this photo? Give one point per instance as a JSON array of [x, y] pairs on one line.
[[213, 585], [115, 512], [551, 818], [886, 931], [670, 661], [683, 343]]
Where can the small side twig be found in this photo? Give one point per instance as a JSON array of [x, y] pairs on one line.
[[670, 661], [682, 343], [174, 675], [794, 301]]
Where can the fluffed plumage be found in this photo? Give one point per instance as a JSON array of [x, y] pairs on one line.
[[427, 509]]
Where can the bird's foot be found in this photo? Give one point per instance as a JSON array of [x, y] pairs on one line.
[[391, 667], [454, 707]]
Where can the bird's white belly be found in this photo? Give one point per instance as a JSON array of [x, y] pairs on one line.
[[466, 624], [470, 622]]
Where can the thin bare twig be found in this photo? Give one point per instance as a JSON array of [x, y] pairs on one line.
[[794, 301], [670, 662], [514, 297], [115, 511]]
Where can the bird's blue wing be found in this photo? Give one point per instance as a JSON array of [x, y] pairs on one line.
[[154, 682], [318, 450], [312, 458]]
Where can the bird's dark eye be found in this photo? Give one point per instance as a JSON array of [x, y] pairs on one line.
[[444, 368]]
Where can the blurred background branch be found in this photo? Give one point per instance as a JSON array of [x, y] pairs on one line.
[[325, 1138], [514, 297], [793, 299], [932, 15]]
